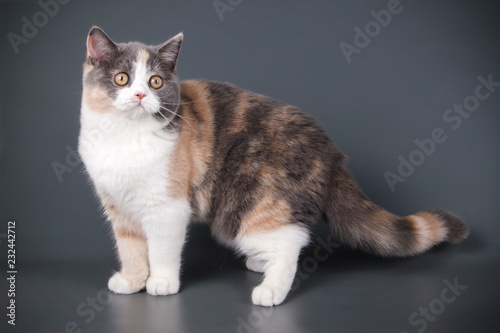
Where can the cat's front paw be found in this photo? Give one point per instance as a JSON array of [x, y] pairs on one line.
[[268, 295], [120, 285], [159, 285]]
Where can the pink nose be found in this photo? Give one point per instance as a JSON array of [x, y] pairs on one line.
[[140, 95]]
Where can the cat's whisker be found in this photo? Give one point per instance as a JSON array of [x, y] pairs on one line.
[[168, 121], [164, 108], [176, 113], [191, 102]]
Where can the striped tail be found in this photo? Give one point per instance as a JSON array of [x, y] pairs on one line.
[[360, 223]]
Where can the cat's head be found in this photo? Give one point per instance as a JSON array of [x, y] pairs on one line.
[[132, 79]]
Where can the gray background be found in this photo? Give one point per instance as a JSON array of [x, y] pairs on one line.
[[395, 91]]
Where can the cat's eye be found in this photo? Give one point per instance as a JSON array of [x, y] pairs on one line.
[[155, 82], [121, 79]]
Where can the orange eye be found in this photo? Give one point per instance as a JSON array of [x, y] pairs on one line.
[[155, 82], [121, 79]]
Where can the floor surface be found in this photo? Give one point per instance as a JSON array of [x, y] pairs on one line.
[[453, 288]]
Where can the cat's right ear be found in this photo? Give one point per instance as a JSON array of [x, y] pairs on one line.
[[100, 47]]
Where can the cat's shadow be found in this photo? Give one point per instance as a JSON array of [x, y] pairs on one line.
[[344, 261], [204, 259]]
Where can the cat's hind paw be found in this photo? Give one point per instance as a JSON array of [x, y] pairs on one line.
[[120, 285], [268, 295], [158, 285]]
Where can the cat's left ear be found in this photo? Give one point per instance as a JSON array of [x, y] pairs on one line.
[[169, 51]]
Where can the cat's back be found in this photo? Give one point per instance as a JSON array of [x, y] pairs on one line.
[[233, 113]]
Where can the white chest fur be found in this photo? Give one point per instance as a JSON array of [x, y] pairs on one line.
[[128, 159]]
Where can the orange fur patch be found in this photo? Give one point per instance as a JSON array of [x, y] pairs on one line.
[[239, 123], [195, 144], [268, 214], [97, 99], [428, 231], [144, 55], [131, 244], [86, 69], [434, 227], [128, 233]]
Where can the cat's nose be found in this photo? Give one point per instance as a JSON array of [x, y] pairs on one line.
[[140, 95]]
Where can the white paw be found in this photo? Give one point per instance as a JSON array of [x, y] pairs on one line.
[[118, 284], [158, 285], [267, 295], [255, 265]]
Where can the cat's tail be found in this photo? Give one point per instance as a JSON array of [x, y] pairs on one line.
[[358, 222]]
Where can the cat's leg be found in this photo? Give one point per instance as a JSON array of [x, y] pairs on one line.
[[132, 252], [255, 264], [165, 227], [279, 250]]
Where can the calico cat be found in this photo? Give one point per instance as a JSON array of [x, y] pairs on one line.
[[259, 171]]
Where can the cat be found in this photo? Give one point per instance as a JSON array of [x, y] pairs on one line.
[[258, 171]]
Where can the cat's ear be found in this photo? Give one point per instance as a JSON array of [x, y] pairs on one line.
[[100, 47], [169, 51]]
